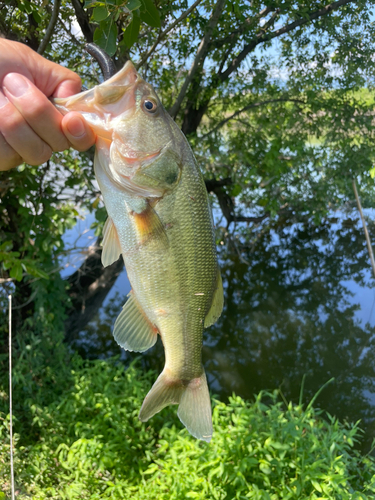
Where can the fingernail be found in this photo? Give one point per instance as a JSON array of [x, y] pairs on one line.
[[3, 100], [75, 127], [16, 84]]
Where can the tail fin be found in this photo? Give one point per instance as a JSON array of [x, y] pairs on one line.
[[194, 400], [195, 409]]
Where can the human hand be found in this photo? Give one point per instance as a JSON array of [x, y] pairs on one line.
[[31, 128]]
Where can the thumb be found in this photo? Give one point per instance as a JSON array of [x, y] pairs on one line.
[[70, 86]]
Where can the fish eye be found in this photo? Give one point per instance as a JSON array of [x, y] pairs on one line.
[[149, 106]]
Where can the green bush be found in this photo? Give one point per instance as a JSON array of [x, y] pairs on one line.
[[89, 444]]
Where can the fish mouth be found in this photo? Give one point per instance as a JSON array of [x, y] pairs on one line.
[[100, 104], [130, 156], [132, 160], [122, 172], [132, 166]]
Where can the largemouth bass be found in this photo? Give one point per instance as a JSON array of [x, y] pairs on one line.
[[159, 219]]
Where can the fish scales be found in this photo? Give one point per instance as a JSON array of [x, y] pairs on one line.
[[160, 221]]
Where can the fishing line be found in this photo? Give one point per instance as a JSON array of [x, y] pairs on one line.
[[10, 397], [367, 237], [372, 310]]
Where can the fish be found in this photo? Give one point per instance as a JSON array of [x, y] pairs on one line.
[[160, 221]]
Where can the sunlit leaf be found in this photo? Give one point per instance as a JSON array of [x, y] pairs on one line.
[[150, 14], [133, 4], [105, 36], [100, 13], [132, 31]]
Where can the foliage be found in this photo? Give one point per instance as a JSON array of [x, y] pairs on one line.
[[275, 98], [107, 14], [291, 309], [85, 441], [35, 214]]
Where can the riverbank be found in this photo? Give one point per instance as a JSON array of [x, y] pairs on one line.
[[78, 436]]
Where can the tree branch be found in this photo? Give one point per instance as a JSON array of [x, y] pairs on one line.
[[246, 108], [51, 26], [89, 286], [233, 37], [265, 37], [163, 34], [200, 56], [212, 184], [70, 34], [270, 22], [226, 203], [83, 21], [255, 220]]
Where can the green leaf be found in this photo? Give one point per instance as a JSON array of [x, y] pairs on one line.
[[37, 17], [89, 3], [100, 13], [265, 468], [132, 31], [6, 246], [106, 36], [96, 203], [16, 272], [26, 6], [149, 14], [7, 264], [316, 485], [133, 4], [35, 271], [235, 191]]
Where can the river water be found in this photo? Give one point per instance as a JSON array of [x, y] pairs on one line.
[[299, 302]]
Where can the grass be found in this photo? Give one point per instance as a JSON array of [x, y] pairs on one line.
[[86, 442]]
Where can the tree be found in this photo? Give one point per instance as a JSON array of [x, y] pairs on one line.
[[274, 97]]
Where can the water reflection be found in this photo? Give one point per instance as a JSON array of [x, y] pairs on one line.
[[294, 310]]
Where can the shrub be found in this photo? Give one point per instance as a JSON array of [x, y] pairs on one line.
[[89, 444]]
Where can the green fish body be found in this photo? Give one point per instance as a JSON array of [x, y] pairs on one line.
[[159, 219]]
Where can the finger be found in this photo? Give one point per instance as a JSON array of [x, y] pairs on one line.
[[36, 109], [70, 86], [8, 157], [19, 136], [77, 131]]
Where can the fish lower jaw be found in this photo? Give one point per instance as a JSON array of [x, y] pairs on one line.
[[137, 158]]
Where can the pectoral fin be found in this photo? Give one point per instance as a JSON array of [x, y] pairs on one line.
[[150, 229], [217, 303], [111, 244], [133, 330]]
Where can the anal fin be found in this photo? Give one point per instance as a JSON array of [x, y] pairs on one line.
[[133, 330], [111, 244], [217, 302]]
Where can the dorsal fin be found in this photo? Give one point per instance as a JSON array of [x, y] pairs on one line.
[[111, 244], [217, 303], [133, 330]]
